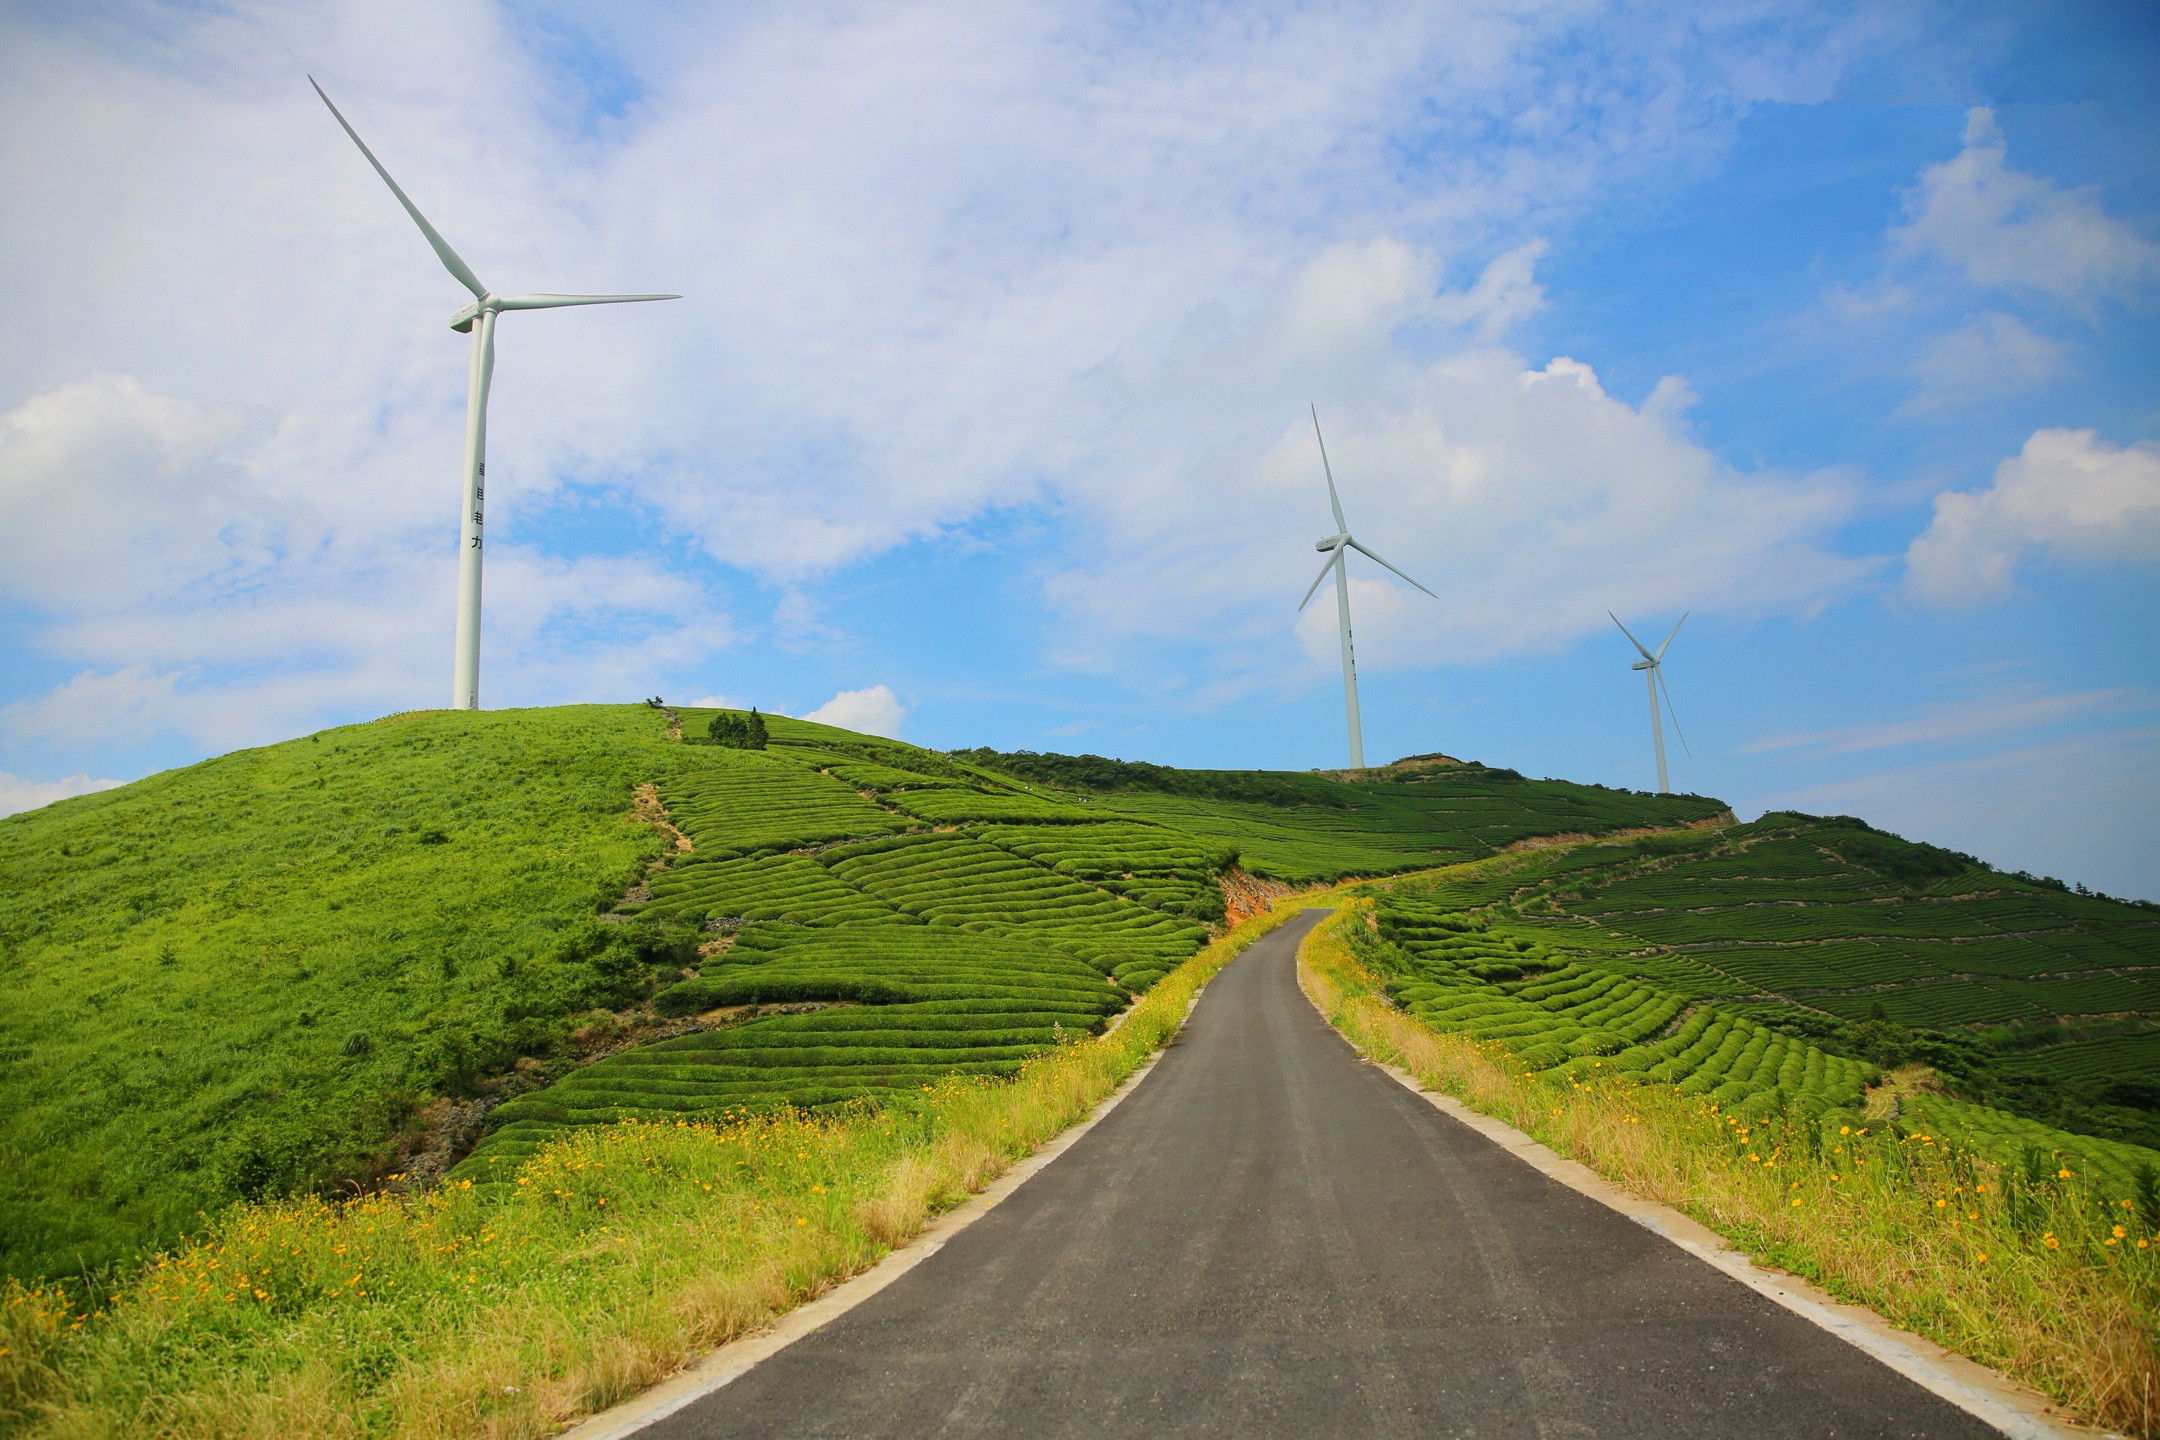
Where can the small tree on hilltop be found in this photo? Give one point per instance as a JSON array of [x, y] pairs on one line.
[[755, 730]]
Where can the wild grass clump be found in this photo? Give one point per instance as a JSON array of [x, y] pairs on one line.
[[614, 1256], [2027, 1267]]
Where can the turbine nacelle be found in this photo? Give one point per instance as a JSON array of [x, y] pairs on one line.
[[1643, 665], [1332, 542], [462, 319]]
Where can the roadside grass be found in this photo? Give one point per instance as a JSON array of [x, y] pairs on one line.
[[2025, 1268], [503, 1311]]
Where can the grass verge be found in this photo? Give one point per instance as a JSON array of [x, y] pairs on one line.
[[619, 1255], [2034, 1274]]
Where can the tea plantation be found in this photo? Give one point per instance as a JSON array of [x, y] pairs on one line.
[[1790, 962], [888, 1012], [1407, 818], [277, 970]]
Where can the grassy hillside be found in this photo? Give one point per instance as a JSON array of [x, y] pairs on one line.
[[278, 971], [252, 974], [306, 967], [1305, 829], [1802, 947], [1005, 915]]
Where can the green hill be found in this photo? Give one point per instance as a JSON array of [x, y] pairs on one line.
[[315, 964], [440, 939], [1829, 948]]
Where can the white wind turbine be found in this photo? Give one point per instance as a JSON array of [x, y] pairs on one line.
[[1653, 668], [1337, 548], [478, 318]]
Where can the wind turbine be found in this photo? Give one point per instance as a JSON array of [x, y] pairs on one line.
[[1653, 668], [1337, 548], [476, 317]]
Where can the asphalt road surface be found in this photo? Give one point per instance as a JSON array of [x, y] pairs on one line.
[[1269, 1237]]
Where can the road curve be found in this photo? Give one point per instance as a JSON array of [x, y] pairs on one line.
[[1269, 1237]]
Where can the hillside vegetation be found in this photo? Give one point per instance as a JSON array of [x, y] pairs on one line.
[[893, 915], [1311, 828], [251, 975], [317, 965], [761, 996], [1777, 963]]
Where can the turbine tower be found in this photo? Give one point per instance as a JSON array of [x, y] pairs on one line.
[[477, 317], [1653, 668], [1337, 548]]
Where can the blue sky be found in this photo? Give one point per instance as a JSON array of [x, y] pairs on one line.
[[983, 418]]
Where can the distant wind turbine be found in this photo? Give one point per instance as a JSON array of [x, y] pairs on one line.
[[1653, 668], [1337, 548], [478, 318]]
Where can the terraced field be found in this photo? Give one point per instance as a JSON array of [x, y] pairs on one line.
[[863, 1014], [1422, 818], [795, 888], [946, 918], [1834, 918], [1456, 974], [1802, 946], [744, 803], [1170, 870]]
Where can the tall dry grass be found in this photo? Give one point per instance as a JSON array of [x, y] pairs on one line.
[[618, 1256], [2033, 1274]]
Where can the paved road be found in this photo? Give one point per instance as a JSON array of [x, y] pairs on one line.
[[1271, 1238]]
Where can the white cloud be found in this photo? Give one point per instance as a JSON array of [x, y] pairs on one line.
[[1998, 714], [18, 794], [1526, 497], [940, 261], [717, 702], [2008, 229], [162, 543], [2067, 495], [874, 711], [1993, 355], [111, 497]]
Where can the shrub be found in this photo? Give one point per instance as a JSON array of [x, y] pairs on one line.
[[738, 732]]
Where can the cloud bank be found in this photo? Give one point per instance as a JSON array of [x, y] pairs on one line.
[[2067, 496], [2007, 229]]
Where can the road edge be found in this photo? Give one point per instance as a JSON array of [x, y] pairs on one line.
[[2017, 1410]]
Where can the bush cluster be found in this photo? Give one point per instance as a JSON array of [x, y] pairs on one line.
[[738, 732]]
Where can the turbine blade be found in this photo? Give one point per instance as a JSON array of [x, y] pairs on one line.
[[1660, 671], [1631, 637], [1342, 526], [550, 302], [1378, 561], [1675, 631], [1333, 556], [443, 252]]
